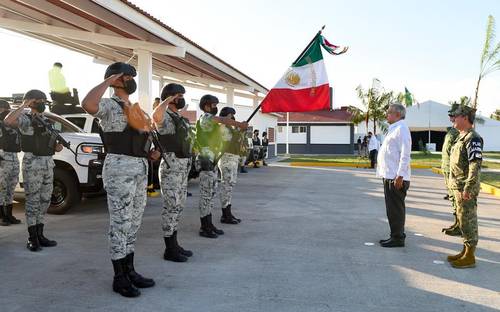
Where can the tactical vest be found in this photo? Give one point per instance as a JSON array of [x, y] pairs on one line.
[[41, 143], [129, 142], [234, 145], [210, 139], [177, 143]]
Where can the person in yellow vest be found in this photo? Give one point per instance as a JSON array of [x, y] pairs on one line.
[[57, 81]]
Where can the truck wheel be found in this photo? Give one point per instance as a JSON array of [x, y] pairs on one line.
[[66, 192]]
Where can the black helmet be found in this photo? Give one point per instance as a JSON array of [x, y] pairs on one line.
[[171, 89], [34, 94], [4, 104], [226, 111], [120, 67], [208, 99]]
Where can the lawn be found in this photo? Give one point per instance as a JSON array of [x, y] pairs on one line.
[[491, 178], [495, 155]]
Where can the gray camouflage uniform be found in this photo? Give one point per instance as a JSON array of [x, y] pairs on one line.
[[9, 169], [228, 166], [173, 181], [125, 180], [38, 179]]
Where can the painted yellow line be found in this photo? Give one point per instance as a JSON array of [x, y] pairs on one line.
[[339, 164], [486, 188]]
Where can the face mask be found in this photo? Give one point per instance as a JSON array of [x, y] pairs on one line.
[[214, 111], [233, 118], [181, 102], [39, 107], [130, 86]]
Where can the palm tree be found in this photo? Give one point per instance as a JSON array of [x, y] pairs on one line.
[[490, 57], [496, 115], [375, 101], [465, 100]]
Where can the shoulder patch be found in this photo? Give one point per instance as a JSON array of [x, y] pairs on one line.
[[475, 149]]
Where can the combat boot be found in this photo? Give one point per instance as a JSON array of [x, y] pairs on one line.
[[454, 231], [4, 220], [243, 169], [171, 252], [184, 252], [205, 229], [227, 217], [212, 226], [121, 282], [44, 241], [9, 216], [137, 279], [467, 260], [457, 256], [453, 226], [33, 244]]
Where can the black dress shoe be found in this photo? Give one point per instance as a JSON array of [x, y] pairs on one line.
[[384, 240], [393, 242]]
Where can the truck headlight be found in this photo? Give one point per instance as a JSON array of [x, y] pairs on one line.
[[92, 149]]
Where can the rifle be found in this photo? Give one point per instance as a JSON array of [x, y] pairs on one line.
[[156, 141], [54, 134]]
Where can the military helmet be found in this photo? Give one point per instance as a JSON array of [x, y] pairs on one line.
[[120, 67], [453, 108], [208, 99], [226, 111], [35, 94], [171, 89]]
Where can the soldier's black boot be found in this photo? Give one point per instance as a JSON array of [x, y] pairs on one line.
[[243, 169], [206, 229], [137, 279], [33, 244], [10, 217], [44, 241], [227, 217], [121, 282], [212, 226], [184, 252], [4, 221], [171, 252]]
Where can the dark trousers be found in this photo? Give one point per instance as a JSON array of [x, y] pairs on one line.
[[373, 158], [395, 207]]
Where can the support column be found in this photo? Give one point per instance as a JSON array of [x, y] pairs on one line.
[[230, 97], [145, 79]]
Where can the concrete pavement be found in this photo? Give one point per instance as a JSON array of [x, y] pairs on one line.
[[305, 244]]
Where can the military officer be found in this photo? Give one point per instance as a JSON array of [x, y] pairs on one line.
[[175, 137], [38, 146], [10, 145], [465, 166], [209, 145], [228, 165], [125, 171], [449, 140]]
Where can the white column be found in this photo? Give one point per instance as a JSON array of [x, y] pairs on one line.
[[145, 79], [287, 132], [161, 83], [255, 99], [230, 96]]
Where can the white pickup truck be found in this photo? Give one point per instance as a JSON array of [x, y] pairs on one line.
[[74, 174]]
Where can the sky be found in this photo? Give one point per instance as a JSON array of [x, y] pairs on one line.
[[431, 47]]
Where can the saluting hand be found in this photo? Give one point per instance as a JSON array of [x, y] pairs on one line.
[[243, 125], [113, 78]]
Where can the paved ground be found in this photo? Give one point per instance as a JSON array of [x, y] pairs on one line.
[[302, 246]]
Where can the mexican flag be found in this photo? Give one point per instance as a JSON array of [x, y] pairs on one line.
[[304, 86]]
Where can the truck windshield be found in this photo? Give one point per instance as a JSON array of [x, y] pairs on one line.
[[63, 125]]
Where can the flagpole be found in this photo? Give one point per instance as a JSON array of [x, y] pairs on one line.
[[287, 132], [301, 54]]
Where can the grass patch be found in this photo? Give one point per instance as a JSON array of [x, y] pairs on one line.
[[494, 155], [491, 178]]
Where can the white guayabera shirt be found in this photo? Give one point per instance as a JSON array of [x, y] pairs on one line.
[[394, 155]]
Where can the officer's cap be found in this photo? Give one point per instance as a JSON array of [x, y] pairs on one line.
[[35, 95], [226, 111], [120, 67], [171, 89], [4, 104]]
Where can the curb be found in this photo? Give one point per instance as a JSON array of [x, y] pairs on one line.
[[338, 164], [486, 188]]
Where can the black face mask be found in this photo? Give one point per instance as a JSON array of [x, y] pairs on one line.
[[214, 111], [181, 102], [130, 86], [233, 118], [39, 107]]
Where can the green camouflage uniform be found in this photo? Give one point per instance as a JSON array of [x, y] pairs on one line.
[[465, 166], [173, 180], [125, 180], [228, 166], [450, 139]]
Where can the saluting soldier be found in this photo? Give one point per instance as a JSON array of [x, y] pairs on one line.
[[228, 165], [209, 145], [465, 168], [38, 145], [125, 171], [10, 145], [175, 137]]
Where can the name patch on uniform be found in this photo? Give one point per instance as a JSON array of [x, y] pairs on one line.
[[475, 149]]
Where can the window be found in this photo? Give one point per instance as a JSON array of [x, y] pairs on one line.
[[299, 129], [280, 129], [62, 125], [79, 121], [270, 134]]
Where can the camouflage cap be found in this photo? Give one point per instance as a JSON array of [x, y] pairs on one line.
[[453, 108], [468, 111]]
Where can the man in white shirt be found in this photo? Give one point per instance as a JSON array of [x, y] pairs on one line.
[[394, 169], [373, 147]]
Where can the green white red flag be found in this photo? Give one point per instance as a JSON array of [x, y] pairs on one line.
[[304, 87]]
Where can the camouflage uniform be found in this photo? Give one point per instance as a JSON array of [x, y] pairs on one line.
[[228, 166], [173, 181], [38, 178], [9, 169], [465, 167], [450, 139], [125, 180], [208, 178]]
